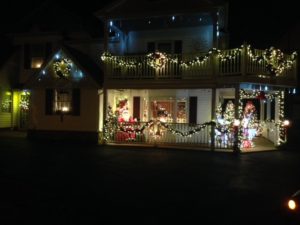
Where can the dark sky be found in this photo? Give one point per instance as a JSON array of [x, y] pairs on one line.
[[258, 22]]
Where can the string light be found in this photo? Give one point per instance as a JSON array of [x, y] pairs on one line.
[[273, 59]]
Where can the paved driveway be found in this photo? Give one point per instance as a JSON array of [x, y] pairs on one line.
[[54, 183]]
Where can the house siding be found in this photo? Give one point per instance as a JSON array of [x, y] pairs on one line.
[[197, 39], [87, 121]]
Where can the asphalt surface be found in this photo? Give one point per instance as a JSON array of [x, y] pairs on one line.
[[56, 183]]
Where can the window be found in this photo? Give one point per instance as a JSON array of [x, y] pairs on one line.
[[163, 110], [165, 46], [36, 62], [181, 111], [34, 54], [65, 101], [62, 101], [6, 103]]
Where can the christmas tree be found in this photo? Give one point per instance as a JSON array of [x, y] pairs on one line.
[[110, 125]]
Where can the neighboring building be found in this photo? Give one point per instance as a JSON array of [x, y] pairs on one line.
[[47, 32], [169, 79], [169, 74]]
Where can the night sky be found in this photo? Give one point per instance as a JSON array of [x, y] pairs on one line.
[[260, 23]]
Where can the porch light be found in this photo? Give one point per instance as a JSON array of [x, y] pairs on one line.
[[173, 18], [292, 204], [286, 123]]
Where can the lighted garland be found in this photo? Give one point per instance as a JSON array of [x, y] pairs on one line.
[[111, 126], [62, 67], [276, 62], [24, 104]]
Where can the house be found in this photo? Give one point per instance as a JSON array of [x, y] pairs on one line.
[[170, 78], [55, 66], [162, 75]]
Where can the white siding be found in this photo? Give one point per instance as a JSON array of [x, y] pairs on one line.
[[197, 39]]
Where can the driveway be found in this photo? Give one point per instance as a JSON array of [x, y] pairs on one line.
[[55, 183]]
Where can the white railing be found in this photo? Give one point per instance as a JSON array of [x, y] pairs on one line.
[[243, 61]]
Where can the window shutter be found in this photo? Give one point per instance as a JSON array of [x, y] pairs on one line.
[[178, 47], [76, 102], [136, 107], [193, 110], [27, 57], [150, 47], [49, 101]]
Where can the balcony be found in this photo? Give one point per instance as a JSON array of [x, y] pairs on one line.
[[239, 65]]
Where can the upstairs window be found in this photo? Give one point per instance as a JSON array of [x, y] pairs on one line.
[[36, 62], [35, 54]]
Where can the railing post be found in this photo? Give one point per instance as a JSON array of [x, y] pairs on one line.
[[214, 65], [212, 136], [244, 59]]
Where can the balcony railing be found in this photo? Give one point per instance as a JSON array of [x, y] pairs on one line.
[[242, 61]]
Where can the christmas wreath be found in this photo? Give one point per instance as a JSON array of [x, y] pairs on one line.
[[62, 67], [157, 60]]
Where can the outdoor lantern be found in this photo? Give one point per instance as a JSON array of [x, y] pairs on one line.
[[286, 123], [292, 204]]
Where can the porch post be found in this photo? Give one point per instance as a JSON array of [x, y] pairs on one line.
[[236, 144], [244, 59], [213, 109], [104, 110]]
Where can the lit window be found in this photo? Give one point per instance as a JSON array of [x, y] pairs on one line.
[[36, 62], [62, 101]]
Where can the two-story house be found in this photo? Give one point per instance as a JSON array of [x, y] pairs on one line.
[[170, 78]]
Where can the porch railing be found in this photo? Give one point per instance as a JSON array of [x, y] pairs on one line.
[[242, 61], [179, 134]]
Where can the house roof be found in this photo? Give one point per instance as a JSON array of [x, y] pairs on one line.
[[93, 72], [137, 8]]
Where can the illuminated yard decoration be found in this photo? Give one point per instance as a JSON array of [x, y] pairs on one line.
[[62, 67], [276, 62], [24, 101], [270, 96]]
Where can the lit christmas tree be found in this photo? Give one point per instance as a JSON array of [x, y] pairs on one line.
[[111, 125], [229, 114]]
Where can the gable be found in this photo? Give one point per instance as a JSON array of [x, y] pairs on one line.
[[62, 69]]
